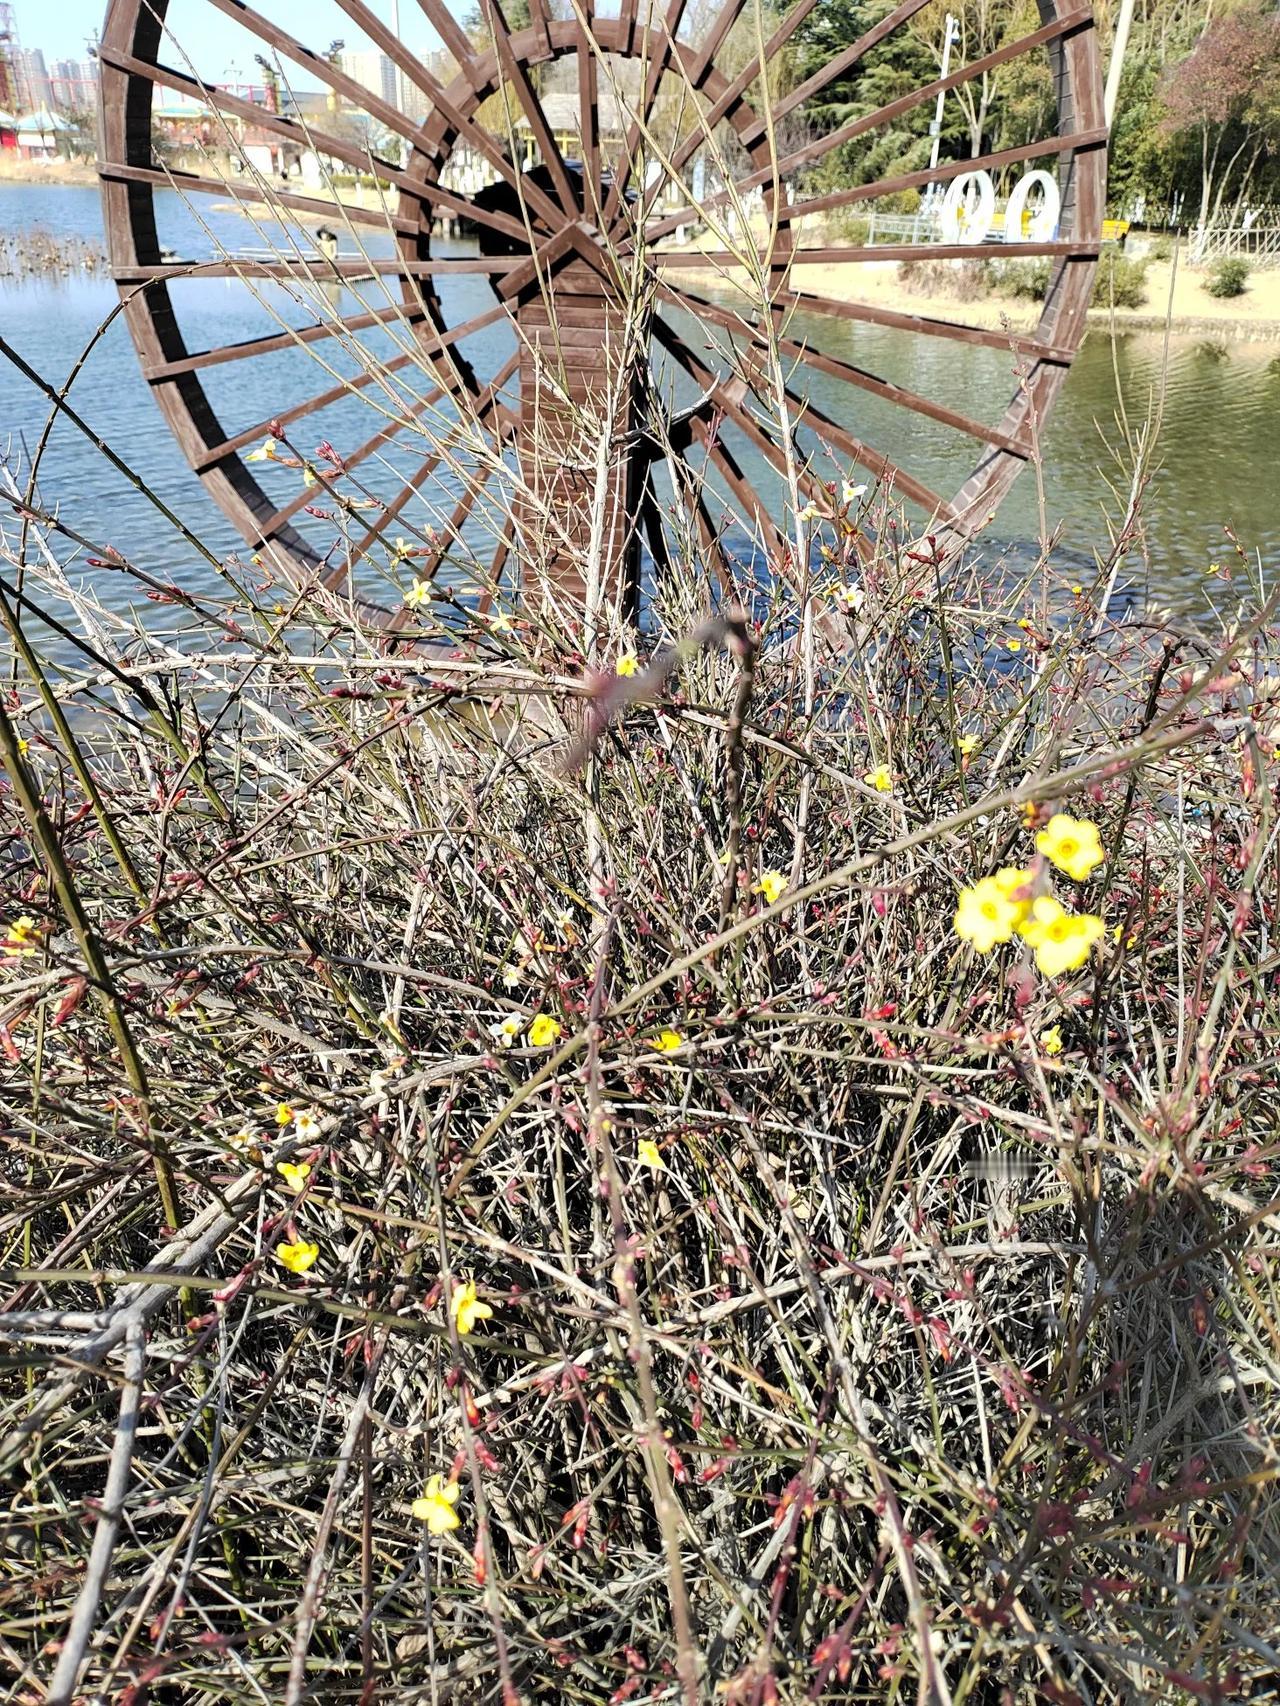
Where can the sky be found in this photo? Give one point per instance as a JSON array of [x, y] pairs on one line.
[[214, 44]]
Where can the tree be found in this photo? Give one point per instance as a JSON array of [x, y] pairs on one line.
[[1224, 96]]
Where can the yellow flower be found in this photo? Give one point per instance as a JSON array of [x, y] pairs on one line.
[[505, 1032], [400, 548], [967, 744], [294, 1173], [1014, 883], [985, 915], [418, 593], [309, 476], [852, 597], [1071, 844], [466, 1308], [1076, 589], [297, 1257], [543, 1031], [808, 513], [435, 1507], [24, 746], [627, 663], [666, 1042], [306, 1124], [772, 885], [266, 452], [284, 1113], [849, 493], [1062, 940], [1013, 645], [881, 778], [18, 939], [650, 1155], [241, 1140], [1051, 1040]]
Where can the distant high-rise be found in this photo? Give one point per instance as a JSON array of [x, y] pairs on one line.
[[33, 80], [73, 84], [373, 71]]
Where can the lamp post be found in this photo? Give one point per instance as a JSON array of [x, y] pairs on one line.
[[399, 74]]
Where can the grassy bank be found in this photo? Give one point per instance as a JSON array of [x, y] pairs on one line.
[[1174, 298], [521, 1192]]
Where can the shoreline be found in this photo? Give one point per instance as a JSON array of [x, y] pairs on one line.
[[1190, 312]]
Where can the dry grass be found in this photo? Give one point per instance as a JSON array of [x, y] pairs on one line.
[[826, 1408]]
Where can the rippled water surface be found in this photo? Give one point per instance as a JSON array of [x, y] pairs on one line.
[[1218, 447]]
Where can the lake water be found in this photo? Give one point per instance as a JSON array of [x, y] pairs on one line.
[[1217, 455]]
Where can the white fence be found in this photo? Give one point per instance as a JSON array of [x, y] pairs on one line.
[[1257, 244]]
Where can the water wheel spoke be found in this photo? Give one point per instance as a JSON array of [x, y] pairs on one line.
[[428, 570], [353, 459], [481, 407], [304, 136], [189, 183], [744, 493], [723, 259], [846, 59], [397, 313], [588, 109], [536, 118], [639, 125], [846, 371], [254, 434], [727, 102], [468, 130], [730, 399], [1070, 143], [330, 74], [922, 324], [877, 120], [627, 11], [320, 270], [452, 35]]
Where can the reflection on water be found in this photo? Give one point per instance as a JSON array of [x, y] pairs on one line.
[[1216, 460]]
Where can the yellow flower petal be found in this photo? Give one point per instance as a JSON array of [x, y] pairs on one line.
[[294, 1173], [297, 1257], [627, 664], [650, 1155], [466, 1308], [772, 885], [666, 1042], [881, 779], [543, 1031], [435, 1507], [1072, 844], [1051, 1040], [985, 915]]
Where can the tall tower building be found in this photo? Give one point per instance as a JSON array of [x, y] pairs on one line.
[[373, 71]]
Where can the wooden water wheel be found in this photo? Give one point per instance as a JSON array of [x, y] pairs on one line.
[[683, 153]]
